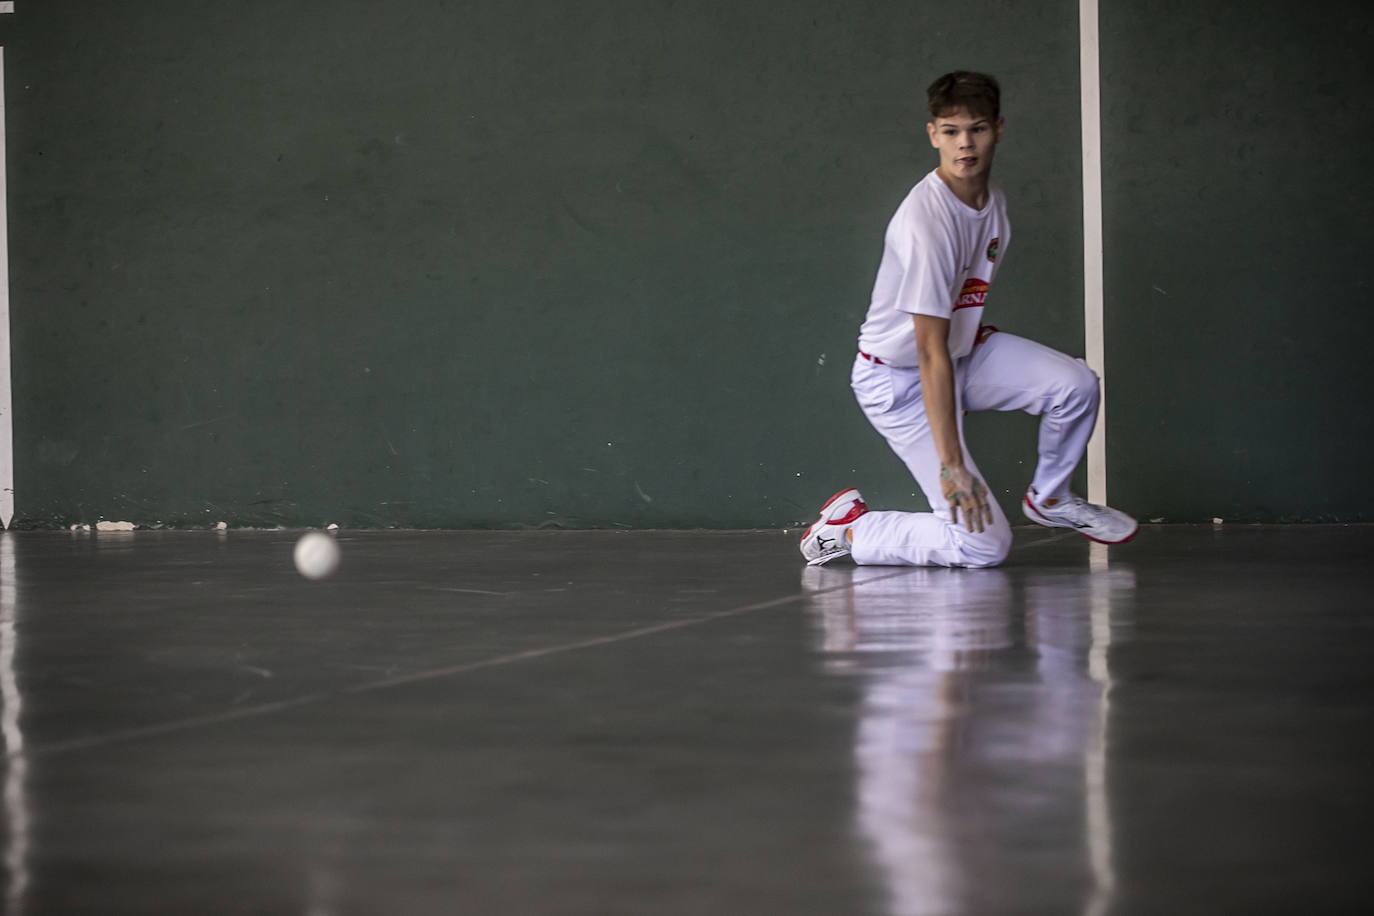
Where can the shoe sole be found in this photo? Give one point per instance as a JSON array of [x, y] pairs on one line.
[[1034, 515], [827, 557]]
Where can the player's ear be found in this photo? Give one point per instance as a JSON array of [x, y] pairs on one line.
[[1000, 123], [930, 132]]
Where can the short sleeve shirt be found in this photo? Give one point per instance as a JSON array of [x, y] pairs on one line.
[[939, 258]]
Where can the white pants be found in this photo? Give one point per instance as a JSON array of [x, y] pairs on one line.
[[1005, 372]]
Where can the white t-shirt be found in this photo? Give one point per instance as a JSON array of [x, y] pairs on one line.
[[939, 258]]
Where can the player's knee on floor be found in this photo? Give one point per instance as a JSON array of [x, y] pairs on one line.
[[989, 548]]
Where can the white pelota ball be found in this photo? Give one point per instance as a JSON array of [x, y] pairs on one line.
[[317, 555]]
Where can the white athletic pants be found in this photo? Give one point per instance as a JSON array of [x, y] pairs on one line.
[[1005, 372]]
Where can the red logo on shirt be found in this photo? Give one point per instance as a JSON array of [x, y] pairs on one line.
[[973, 295]]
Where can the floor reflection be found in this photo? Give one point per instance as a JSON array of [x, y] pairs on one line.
[[1107, 587], [980, 750], [16, 762]]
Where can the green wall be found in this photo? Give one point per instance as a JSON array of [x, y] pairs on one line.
[[602, 264], [1239, 204], [490, 263]]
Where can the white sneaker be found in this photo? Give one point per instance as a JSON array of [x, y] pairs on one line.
[[1097, 523], [827, 539]]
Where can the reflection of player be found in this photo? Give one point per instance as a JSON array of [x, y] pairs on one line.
[[924, 359], [963, 750], [914, 640]]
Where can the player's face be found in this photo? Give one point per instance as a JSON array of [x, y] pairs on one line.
[[966, 143]]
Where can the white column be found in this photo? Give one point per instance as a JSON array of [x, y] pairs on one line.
[[6, 401], [1091, 98]]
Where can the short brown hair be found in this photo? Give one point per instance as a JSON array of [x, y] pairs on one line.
[[977, 93]]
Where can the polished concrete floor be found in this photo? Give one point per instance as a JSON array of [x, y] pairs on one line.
[[612, 723]]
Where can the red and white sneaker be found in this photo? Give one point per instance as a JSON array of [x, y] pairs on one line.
[[828, 537], [1096, 523]]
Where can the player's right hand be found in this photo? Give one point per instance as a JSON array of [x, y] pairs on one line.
[[964, 491]]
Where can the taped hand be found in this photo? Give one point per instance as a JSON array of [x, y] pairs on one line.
[[964, 491]]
